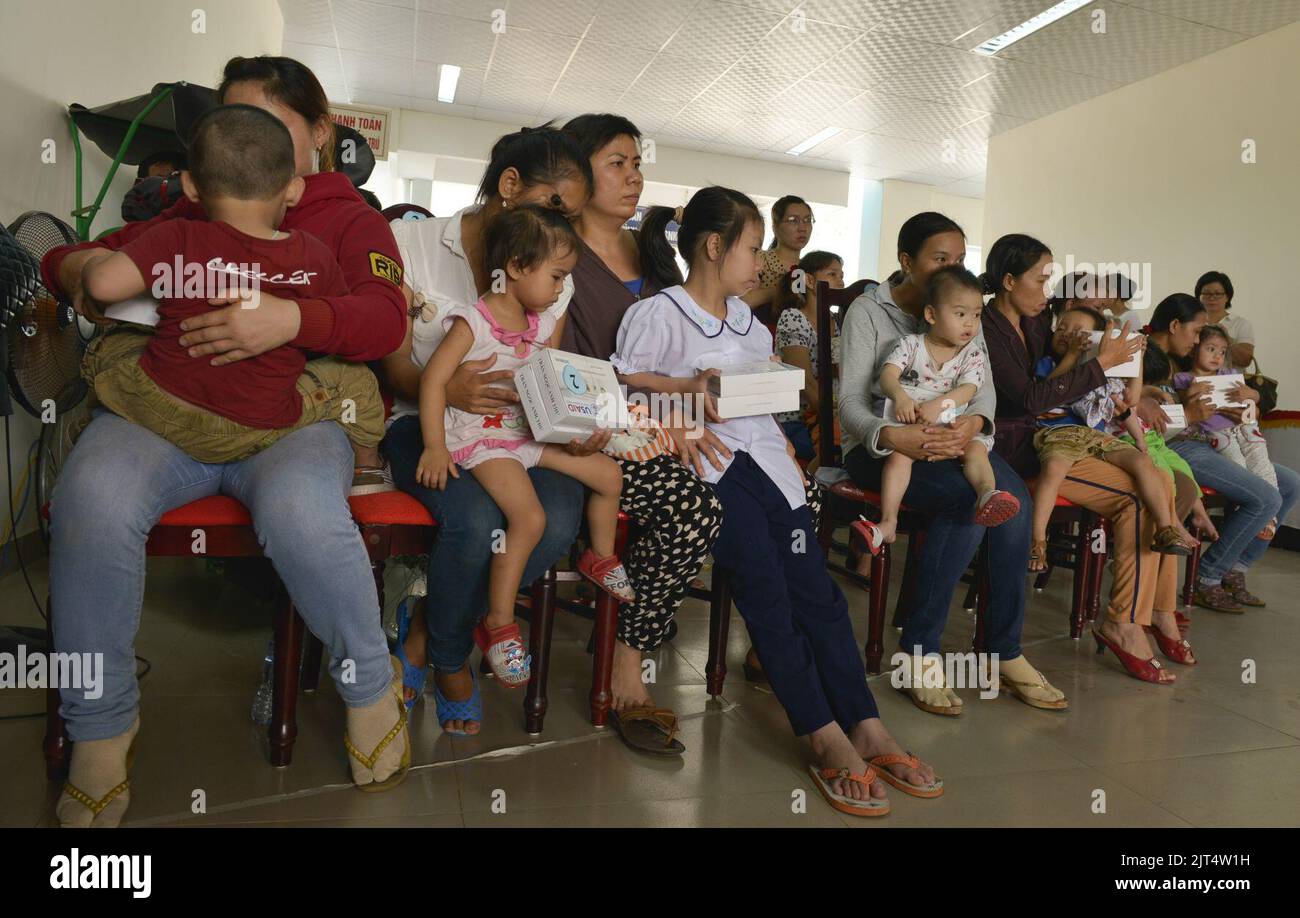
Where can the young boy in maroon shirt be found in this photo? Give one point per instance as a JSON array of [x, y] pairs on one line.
[[242, 173]]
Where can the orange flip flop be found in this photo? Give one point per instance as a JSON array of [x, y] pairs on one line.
[[872, 806], [933, 789]]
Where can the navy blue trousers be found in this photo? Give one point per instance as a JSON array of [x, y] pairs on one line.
[[796, 615]]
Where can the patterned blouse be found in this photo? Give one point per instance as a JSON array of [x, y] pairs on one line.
[[794, 330]]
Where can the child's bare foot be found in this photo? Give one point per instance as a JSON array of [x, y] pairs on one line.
[[1186, 536]]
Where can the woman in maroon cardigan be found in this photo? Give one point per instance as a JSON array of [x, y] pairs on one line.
[[1018, 332]]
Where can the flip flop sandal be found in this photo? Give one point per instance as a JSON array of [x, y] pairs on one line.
[[98, 806], [648, 729], [404, 767], [872, 806], [1167, 541], [933, 789], [470, 708], [948, 711], [1022, 690], [413, 677], [1038, 555], [999, 508]]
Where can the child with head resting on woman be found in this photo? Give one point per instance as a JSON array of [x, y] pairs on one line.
[[1092, 426], [530, 251], [930, 379], [1242, 442]]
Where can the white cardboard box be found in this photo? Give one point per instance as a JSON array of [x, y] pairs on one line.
[[1124, 370], [1220, 386], [758, 377], [743, 406], [1177, 418], [139, 310], [566, 395]]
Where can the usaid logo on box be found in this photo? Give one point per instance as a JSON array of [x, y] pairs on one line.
[[567, 396]]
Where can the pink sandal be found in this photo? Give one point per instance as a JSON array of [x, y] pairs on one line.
[[868, 535], [503, 648], [999, 508]]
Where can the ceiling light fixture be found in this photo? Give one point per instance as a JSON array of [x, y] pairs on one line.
[[819, 137], [448, 76], [1030, 26]]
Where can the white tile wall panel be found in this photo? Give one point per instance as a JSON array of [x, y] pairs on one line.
[[541, 55], [856, 14], [1246, 17], [674, 77], [466, 9], [308, 21], [373, 72]]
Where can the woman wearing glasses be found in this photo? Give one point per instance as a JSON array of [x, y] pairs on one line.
[[1214, 290], [792, 226]]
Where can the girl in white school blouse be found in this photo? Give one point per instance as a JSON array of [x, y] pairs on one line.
[[797, 617]]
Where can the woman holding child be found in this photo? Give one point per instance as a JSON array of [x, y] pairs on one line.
[[1178, 329], [120, 478], [874, 326], [1019, 335]]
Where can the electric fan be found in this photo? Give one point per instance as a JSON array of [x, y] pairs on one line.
[[44, 338]]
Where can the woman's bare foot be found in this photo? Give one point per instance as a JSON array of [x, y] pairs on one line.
[[416, 646], [870, 739], [833, 749], [625, 683], [1130, 637], [1202, 523], [1167, 624], [457, 686]]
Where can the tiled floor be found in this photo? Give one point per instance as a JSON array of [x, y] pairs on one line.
[[1210, 751]]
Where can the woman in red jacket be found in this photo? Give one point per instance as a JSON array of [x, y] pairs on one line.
[[120, 478]]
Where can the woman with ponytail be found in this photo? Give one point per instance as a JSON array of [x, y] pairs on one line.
[[1018, 332], [446, 267], [676, 515]]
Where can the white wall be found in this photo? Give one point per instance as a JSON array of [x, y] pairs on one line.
[[906, 199], [1152, 173], [54, 52]]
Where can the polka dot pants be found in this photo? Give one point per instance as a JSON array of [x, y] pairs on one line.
[[677, 518]]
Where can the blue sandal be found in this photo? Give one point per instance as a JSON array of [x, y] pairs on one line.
[[412, 676], [470, 708]]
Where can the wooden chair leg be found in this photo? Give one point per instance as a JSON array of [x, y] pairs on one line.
[[56, 745], [719, 619], [313, 655], [1098, 570], [980, 586], [911, 564], [1082, 577], [1193, 568], [283, 729], [877, 599], [602, 666], [539, 646]]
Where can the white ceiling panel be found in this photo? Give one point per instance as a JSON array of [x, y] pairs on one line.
[[756, 77]]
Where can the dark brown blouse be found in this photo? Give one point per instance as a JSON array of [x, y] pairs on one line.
[[1021, 397], [597, 307]]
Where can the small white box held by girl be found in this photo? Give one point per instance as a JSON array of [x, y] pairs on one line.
[[756, 387], [568, 395]]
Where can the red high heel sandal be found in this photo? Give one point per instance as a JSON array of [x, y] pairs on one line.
[[1177, 650], [1146, 670], [1184, 623]]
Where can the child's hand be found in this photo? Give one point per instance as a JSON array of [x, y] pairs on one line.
[[434, 467], [1078, 343], [929, 412], [905, 409]]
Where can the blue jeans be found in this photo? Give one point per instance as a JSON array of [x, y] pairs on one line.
[[462, 552], [120, 479], [1256, 502], [940, 491]]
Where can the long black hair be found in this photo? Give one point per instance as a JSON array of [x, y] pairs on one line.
[[809, 264], [1177, 307], [1013, 254], [540, 155], [779, 208], [710, 210]]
